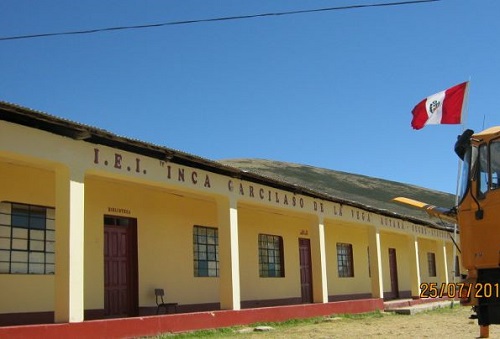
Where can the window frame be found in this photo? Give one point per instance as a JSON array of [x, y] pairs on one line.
[[457, 266], [27, 239], [271, 256], [345, 260], [431, 264], [369, 262], [205, 252]]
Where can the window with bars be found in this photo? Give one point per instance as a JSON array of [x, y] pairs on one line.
[[206, 251], [345, 261], [27, 239], [431, 263], [271, 259], [369, 262], [457, 266]]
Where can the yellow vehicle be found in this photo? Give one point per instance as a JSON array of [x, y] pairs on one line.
[[478, 216]]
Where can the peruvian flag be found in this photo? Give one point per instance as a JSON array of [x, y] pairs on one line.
[[441, 108]]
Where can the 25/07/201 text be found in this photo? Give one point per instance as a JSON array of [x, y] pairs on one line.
[[464, 290]]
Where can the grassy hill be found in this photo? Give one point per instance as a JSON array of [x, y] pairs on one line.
[[373, 192]]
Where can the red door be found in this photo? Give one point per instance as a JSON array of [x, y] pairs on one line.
[[393, 269], [305, 270], [120, 267]]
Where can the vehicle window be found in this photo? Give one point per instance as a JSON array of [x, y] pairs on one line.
[[495, 164], [465, 172], [482, 175]]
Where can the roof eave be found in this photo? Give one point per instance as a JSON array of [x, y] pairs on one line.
[[46, 122]]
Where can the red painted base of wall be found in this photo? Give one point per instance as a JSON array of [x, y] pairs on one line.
[[153, 325]]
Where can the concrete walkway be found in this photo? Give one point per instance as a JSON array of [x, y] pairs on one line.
[[410, 306]]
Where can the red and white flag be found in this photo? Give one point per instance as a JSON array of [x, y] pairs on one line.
[[441, 108]]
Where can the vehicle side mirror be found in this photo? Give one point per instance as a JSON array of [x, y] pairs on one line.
[[463, 142]]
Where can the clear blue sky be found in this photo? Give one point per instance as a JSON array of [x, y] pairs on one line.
[[331, 89]]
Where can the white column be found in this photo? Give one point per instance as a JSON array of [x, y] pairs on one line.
[[443, 271], [229, 264], [69, 246], [320, 285], [376, 263], [414, 266]]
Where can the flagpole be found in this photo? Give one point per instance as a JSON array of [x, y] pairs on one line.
[[463, 123]]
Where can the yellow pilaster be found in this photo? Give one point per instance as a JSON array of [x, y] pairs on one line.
[[414, 266], [230, 297], [318, 253], [69, 246], [375, 263]]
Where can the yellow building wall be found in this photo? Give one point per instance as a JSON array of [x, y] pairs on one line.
[[425, 246], [26, 292], [165, 221], [252, 222], [400, 243], [357, 236], [165, 241]]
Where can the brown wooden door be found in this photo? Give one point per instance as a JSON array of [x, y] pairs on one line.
[[305, 270], [120, 267], [393, 269]]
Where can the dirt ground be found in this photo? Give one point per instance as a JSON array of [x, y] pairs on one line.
[[444, 323]]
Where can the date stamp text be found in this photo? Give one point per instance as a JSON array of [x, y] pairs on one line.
[[460, 290]]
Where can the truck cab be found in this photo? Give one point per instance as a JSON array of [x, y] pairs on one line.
[[478, 215]]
